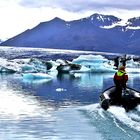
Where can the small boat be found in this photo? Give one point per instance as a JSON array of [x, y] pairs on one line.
[[130, 98]]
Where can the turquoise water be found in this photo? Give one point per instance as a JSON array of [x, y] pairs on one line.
[[63, 109]]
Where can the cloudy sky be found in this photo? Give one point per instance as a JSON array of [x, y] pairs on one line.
[[19, 15]]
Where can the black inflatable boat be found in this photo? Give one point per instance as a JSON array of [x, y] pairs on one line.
[[130, 98]]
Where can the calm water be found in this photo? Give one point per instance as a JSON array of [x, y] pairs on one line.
[[64, 108]]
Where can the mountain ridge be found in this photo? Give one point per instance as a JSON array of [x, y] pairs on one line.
[[95, 33]]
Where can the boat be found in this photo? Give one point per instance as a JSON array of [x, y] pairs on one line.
[[130, 98]]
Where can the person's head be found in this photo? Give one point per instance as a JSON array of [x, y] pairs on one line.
[[121, 68]]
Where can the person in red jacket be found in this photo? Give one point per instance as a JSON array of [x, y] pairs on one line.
[[120, 80], [121, 77]]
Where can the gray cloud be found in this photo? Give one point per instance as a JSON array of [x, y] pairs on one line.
[[82, 5]]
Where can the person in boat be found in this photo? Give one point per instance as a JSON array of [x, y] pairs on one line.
[[120, 80]]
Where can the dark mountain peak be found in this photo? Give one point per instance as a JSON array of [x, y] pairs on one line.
[[96, 15], [56, 19], [54, 22], [134, 21]]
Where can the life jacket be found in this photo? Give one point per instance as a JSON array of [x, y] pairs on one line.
[[120, 78], [120, 74]]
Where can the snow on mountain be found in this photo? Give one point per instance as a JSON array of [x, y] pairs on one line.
[[105, 20], [132, 24], [119, 23]]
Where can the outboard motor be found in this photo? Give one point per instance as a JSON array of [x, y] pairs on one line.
[[128, 100]]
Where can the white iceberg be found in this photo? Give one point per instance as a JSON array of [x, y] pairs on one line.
[[132, 66], [82, 64], [37, 65], [8, 66], [96, 63]]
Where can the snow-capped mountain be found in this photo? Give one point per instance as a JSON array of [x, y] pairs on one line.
[[96, 32]]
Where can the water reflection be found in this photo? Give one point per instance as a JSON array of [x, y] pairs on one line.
[[38, 111], [24, 116], [36, 82], [82, 88], [20, 112], [91, 81], [134, 81], [88, 81]]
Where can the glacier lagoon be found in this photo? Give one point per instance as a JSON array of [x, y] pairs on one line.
[[65, 107]]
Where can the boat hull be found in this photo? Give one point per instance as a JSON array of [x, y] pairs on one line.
[[130, 98]]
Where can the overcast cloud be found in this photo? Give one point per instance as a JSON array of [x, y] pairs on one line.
[[20, 15], [83, 5]]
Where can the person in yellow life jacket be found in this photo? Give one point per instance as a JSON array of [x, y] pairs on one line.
[[120, 79]]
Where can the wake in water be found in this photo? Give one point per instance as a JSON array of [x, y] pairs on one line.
[[114, 123]]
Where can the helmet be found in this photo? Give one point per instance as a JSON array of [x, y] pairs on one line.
[[122, 68]]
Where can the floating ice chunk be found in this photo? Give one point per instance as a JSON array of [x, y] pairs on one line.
[[132, 66], [60, 89], [8, 66], [38, 65], [27, 68]]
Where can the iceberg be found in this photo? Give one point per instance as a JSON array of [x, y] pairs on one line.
[[82, 64], [28, 68], [132, 66], [22, 65], [7, 66], [95, 63], [38, 65], [6, 70], [30, 65]]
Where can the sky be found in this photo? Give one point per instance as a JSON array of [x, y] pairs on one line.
[[20, 15]]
